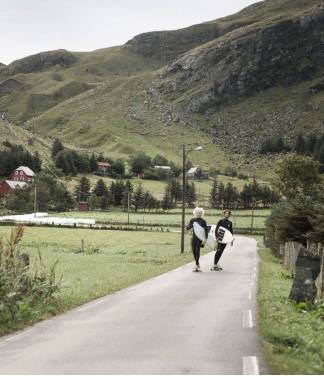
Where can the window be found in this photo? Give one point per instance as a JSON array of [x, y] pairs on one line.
[[16, 172], [29, 179], [21, 172], [21, 178], [16, 179]]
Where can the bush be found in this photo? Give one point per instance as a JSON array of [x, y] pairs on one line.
[[23, 292]]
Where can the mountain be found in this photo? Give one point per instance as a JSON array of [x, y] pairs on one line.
[[225, 84]]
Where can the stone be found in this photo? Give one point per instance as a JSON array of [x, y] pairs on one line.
[[308, 267]]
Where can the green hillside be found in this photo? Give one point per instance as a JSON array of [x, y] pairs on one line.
[[225, 84]]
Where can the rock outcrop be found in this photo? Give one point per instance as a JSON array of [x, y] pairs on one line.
[[308, 267], [248, 61], [38, 62]]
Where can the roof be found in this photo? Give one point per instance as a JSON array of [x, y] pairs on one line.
[[13, 184], [164, 167], [26, 170], [192, 170], [103, 164]]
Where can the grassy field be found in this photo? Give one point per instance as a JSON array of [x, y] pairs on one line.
[[112, 260], [172, 219], [293, 335]]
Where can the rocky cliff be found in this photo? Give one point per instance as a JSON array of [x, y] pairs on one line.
[[282, 52], [44, 60]]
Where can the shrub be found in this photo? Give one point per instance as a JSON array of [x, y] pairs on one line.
[[24, 292]]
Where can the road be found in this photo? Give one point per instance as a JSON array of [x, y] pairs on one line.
[[177, 323]]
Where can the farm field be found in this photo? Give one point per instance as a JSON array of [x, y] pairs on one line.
[[240, 219], [112, 260]]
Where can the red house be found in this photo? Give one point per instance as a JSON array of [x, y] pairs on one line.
[[84, 206], [7, 185], [22, 174], [30, 141], [103, 166]]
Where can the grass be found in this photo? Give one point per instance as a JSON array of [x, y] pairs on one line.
[[241, 220], [293, 336], [112, 260]]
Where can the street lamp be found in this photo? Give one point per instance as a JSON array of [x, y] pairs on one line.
[[184, 155]]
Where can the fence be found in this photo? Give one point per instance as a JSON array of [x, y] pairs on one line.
[[290, 251]]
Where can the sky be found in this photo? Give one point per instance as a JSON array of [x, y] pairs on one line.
[[28, 27]]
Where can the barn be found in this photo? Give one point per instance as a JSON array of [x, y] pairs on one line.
[[7, 185]]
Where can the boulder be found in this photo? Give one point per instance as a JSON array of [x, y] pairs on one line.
[[308, 267]]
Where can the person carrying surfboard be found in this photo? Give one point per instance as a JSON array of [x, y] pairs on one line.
[[221, 246], [196, 243]]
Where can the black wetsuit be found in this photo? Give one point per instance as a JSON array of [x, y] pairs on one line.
[[196, 242], [220, 246]]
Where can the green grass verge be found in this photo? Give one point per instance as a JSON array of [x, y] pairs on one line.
[[112, 260], [293, 336]]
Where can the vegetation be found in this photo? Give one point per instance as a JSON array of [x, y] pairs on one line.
[[293, 336], [14, 156], [26, 292]]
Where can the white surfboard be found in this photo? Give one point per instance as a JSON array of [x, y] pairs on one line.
[[211, 237], [224, 235], [200, 233]]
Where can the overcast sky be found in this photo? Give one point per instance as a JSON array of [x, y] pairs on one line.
[[31, 26]]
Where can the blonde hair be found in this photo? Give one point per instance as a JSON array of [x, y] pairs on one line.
[[198, 209]]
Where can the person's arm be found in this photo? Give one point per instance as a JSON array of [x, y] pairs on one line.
[[190, 224], [231, 228], [206, 229], [217, 227]]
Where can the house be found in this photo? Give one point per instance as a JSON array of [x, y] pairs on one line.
[[197, 173], [22, 174], [7, 185], [84, 206], [30, 141], [103, 166]]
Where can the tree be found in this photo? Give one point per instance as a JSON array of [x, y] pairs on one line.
[[100, 189], [300, 146], [57, 147], [297, 175], [191, 195], [82, 190], [138, 197], [93, 163], [158, 160], [118, 167], [37, 162], [213, 193], [140, 162]]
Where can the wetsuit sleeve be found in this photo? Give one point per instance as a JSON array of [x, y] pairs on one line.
[[231, 228], [206, 230], [217, 227], [190, 224]]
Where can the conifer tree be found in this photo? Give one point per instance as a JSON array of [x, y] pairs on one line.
[[82, 190], [57, 147], [213, 193]]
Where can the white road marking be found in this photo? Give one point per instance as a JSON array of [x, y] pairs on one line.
[[254, 275], [247, 319], [135, 287], [252, 283], [250, 365], [250, 295], [14, 338], [160, 276], [254, 268], [91, 305]]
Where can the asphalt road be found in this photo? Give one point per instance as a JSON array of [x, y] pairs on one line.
[[178, 323]]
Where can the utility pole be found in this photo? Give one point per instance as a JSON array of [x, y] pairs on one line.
[[128, 199], [35, 203], [253, 200]]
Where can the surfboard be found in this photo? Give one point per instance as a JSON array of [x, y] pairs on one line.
[[200, 233], [211, 236], [224, 235]]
